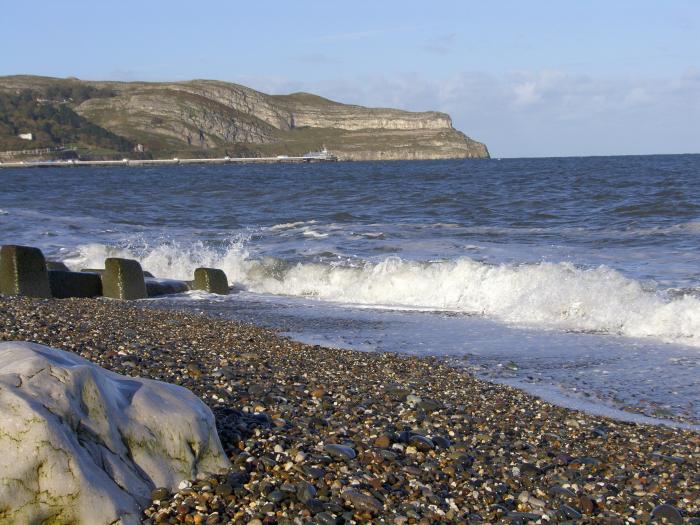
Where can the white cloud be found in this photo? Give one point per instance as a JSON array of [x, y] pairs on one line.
[[526, 93]]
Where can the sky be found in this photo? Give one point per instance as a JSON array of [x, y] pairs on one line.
[[528, 78]]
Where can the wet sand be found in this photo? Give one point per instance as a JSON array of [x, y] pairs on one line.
[[332, 436]]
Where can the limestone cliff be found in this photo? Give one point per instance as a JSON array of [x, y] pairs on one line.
[[215, 116]]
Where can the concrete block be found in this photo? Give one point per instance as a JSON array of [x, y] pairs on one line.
[[98, 271], [74, 284], [211, 280], [101, 271], [156, 287], [123, 279], [57, 265], [23, 272]]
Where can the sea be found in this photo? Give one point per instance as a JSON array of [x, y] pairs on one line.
[[575, 279]]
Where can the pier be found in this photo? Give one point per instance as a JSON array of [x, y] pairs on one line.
[[165, 162]]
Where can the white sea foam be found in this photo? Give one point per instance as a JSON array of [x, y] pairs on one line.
[[289, 225], [308, 232], [549, 295]]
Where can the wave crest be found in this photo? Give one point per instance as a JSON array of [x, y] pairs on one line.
[[550, 295]]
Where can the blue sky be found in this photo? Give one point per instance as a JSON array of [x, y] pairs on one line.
[[533, 78]]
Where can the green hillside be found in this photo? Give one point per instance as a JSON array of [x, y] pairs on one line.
[[48, 115]]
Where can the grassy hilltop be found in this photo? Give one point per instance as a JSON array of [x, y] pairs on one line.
[[205, 118]]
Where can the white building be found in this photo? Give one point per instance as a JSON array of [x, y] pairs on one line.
[[26, 136]]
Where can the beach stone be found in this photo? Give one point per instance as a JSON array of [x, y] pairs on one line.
[[668, 512], [317, 392], [23, 272], [314, 472], [421, 442], [362, 502], [74, 284], [430, 405], [160, 493], [276, 496], [382, 441], [413, 399], [522, 517], [670, 459], [529, 470], [305, 491], [123, 279], [90, 445], [569, 512], [314, 505], [441, 442], [340, 451], [211, 280], [325, 518], [224, 489], [397, 392], [586, 504]]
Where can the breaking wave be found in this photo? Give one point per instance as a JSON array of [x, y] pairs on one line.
[[547, 295]]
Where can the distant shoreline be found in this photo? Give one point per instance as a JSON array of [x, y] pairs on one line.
[[174, 161]]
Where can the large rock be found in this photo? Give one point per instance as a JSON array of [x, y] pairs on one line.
[[80, 444]]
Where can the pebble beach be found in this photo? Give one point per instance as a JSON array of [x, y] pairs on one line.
[[319, 435]]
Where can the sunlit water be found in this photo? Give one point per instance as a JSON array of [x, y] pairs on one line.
[[577, 279]]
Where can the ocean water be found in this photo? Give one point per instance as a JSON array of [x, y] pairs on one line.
[[577, 279]]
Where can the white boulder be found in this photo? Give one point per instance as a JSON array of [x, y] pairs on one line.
[[80, 444]]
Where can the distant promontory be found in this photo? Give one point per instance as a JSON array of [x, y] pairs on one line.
[[207, 118]]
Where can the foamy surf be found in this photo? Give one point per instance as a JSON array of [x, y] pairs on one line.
[[548, 295]]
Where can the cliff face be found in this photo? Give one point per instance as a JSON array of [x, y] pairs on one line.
[[206, 114]]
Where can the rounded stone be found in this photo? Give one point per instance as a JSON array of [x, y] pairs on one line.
[[382, 441], [421, 442], [340, 451], [362, 502], [305, 491], [159, 493], [668, 512]]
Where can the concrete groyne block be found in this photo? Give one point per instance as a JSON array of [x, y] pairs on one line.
[[23, 272], [74, 284], [57, 265], [156, 287], [102, 270], [98, 271], [123, 279], [210, 280]]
